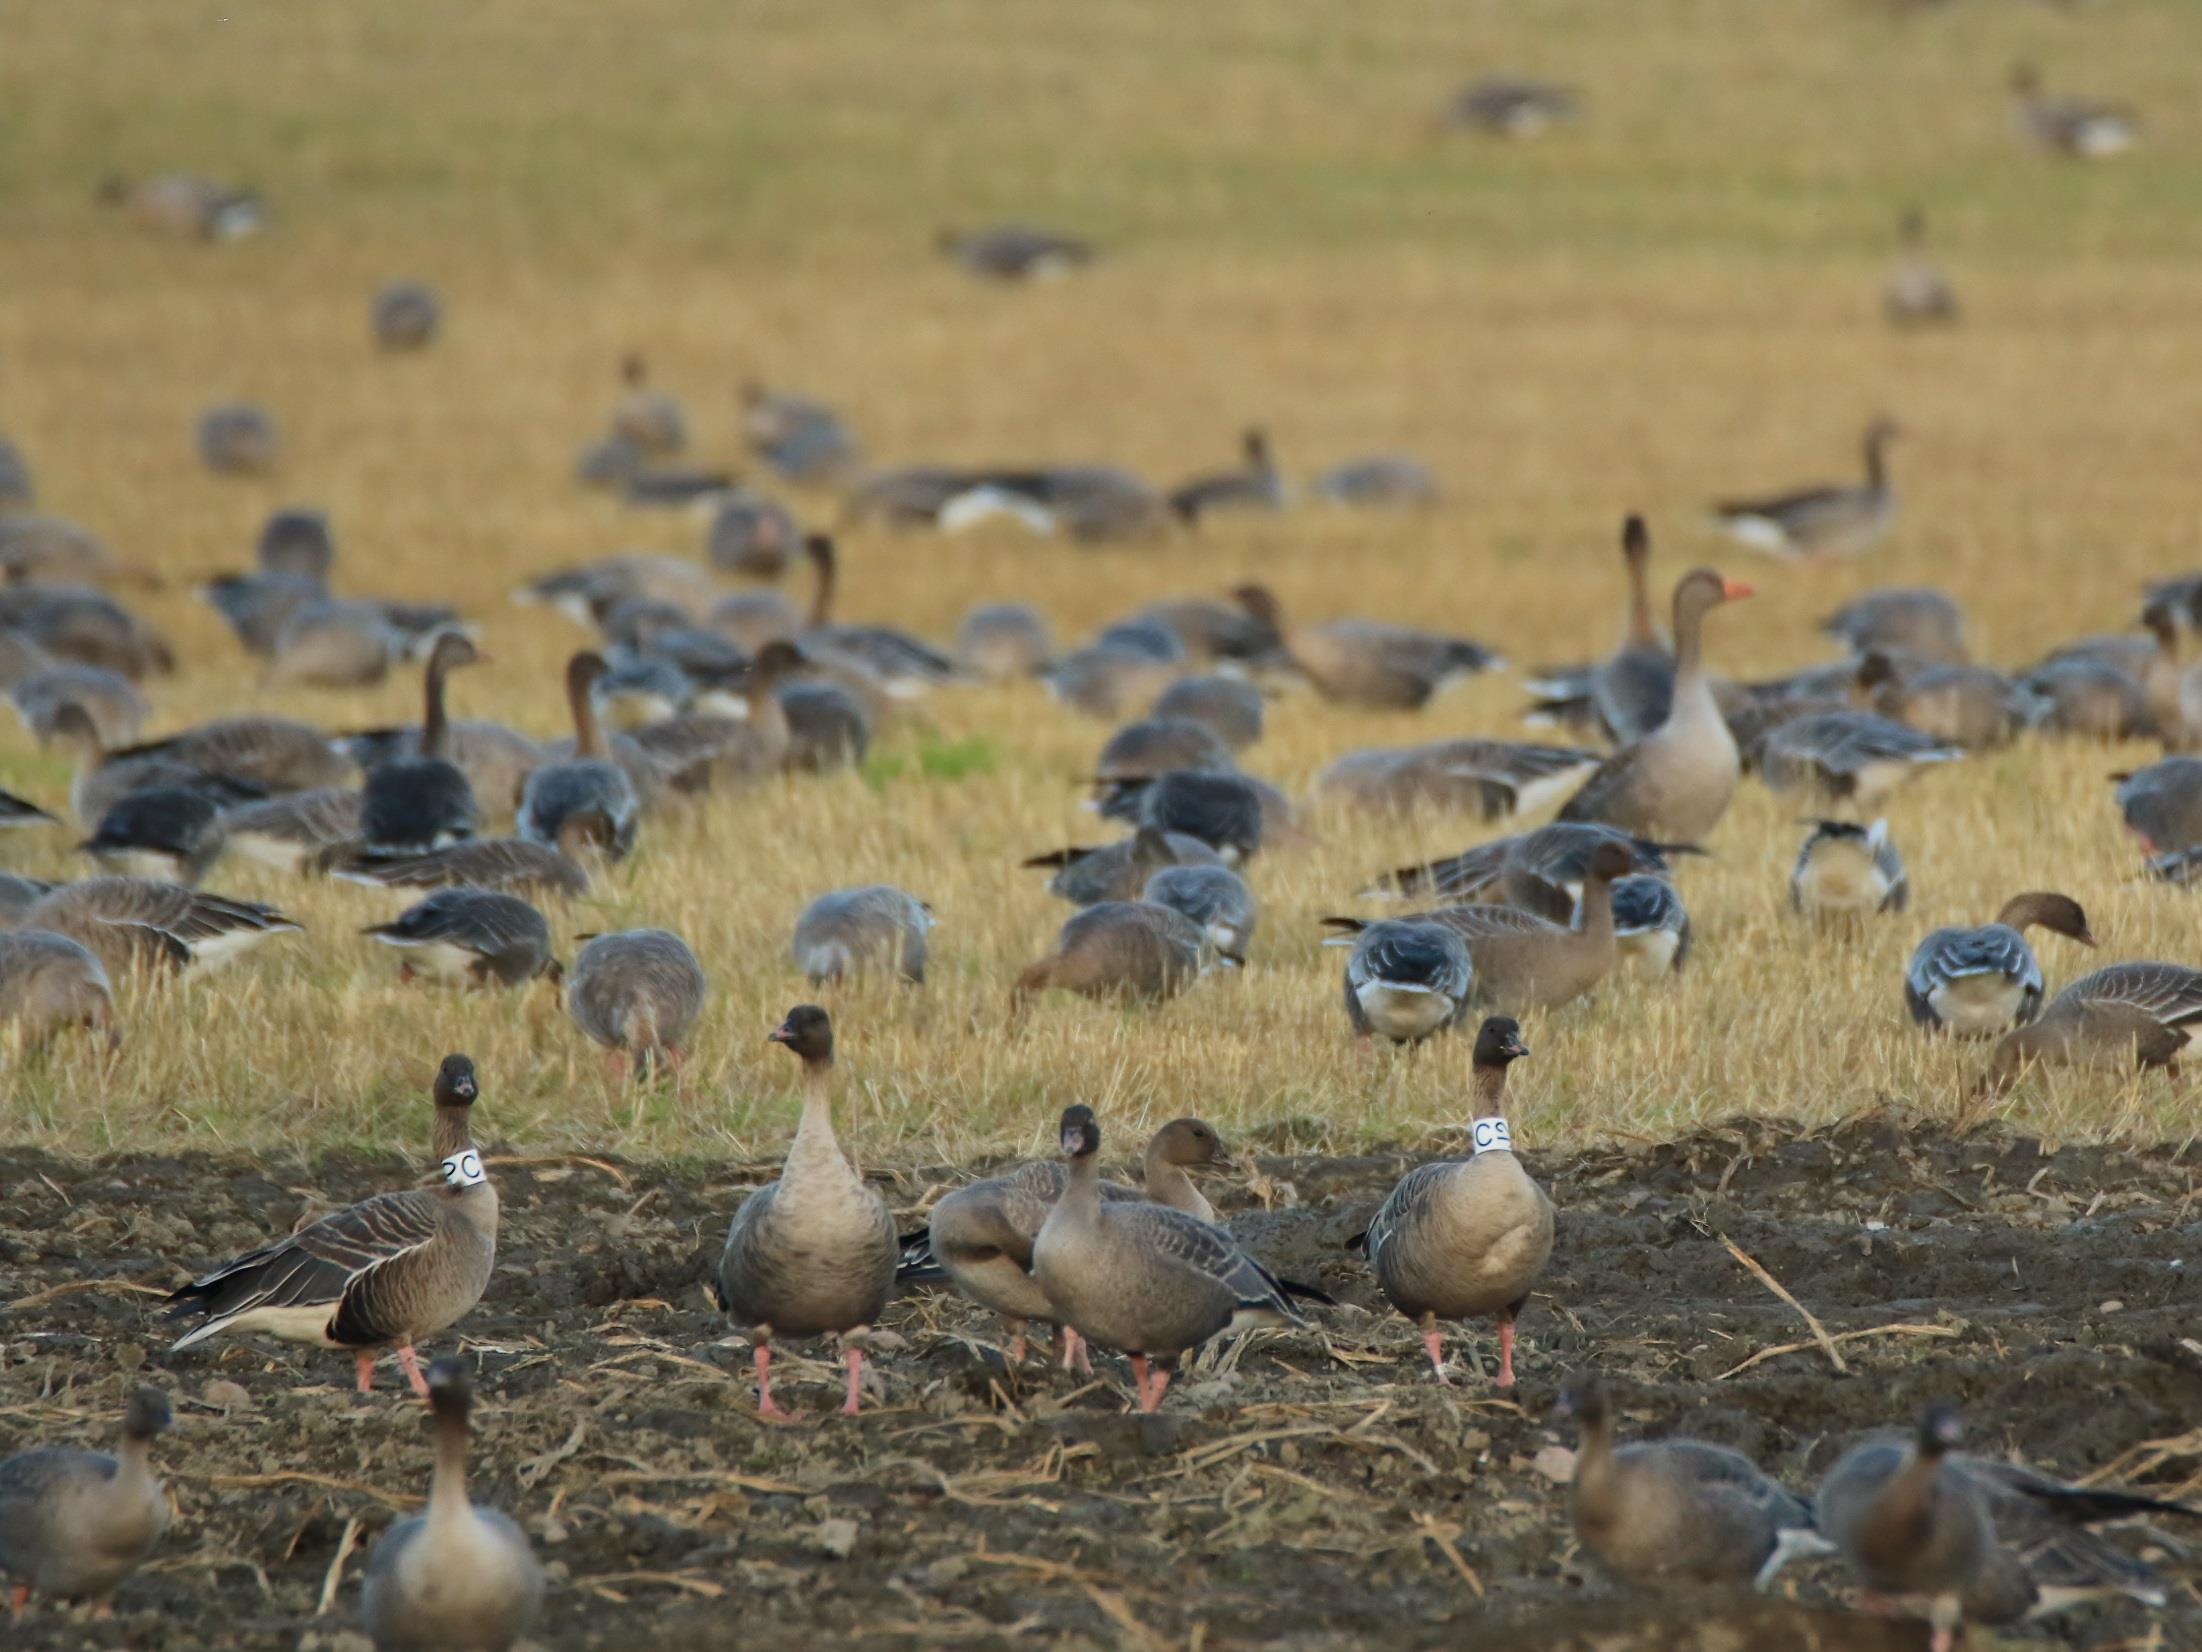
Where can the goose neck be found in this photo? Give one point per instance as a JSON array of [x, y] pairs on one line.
[[435, 731], [588, 738]]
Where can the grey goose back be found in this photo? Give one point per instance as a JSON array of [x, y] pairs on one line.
[[1982, 982], [1846, 871], [1828, 519], [511, 864], [2162, 804], [1406, 979], [1230, 707], [1651, 926], [471, 937], [1854, 757], [75, 1524], [76, 622], [637, 992], [169, 832], [1917, 293], [456, 1577], [2082, 128], [1678, 1513], [1510, 106], [388, 1272], [2087, 699], [19, 894], [289, 832], [813, 1253], [103, 779], [1256, 485], [1465, 1238], [124, 921], [1151, 747], [1216, 899], [1119, 871], [334, 642], [1003, 641], [274, 754], [238, 439], [904, 666], [1628, 693], [751, 536], [2125, 1015], [1015, 252], [1558, 853], [1492, 779], [1971, 707], [1370, 662], [297, 541], [1116, 949], [1379, 481], [588, 786], [1142, 1278], [798, 438], [1231, 813], [49, 982], [52, 550], [257, 607], [405, 315], [1913, 621], [424, 800], [873, 927], [116, 706]]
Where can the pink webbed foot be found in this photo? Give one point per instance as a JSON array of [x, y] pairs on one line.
[[409, 1363], [1506, 1352], [765, 1406], [363, 1368], [1434, 1340], [854, 1356]]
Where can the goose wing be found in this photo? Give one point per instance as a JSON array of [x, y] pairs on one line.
[[1406, 952], [323, 1265], [2169, 994], [1205, 1249], [1948, 955]]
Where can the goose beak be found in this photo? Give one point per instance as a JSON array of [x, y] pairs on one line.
[[1073, 1140], [1735, 590], [780, 1035]]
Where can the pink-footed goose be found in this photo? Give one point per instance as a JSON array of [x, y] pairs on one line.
[[75, 1524], [1834, 519], [1981, 983], [1626, 695]]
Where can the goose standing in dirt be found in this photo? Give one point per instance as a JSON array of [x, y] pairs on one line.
[[1981, 983], [388, 1272], [813, 1253], [478, 937], [848, 931], [1142, 1278], [456, 1577], [49, 981], [637, 992], [75, 1524], [1467, 1237], [2123, 1015], [1407, 979], [1845, 872], [1831, 519]]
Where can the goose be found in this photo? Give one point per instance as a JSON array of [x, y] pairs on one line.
[[18, 895], [1259, 485], [1916, 621], [1386, 481], [1120, 870], [801, 440], [477, 937], [1678, 1513], [334, 642], [1231, 813], [905, 665], [1003, 641], [1558, 854], [20, 657], [2070, 126], [751, 536], [111, 700], [1141, 751], [1143, 1278], [764, 741], [17, 492], [424, 801], [584, 592], [104, 779], [169, 832], [1109, 679], [753, 618], [49, 982], [1217, 901], [2124, 1015], [1371, 662], [297, 542], [1651, 926], [2162, 804], [649, 419], [2163, 675], [1230, 707], [1128, 949], [588, 784], [814, 1252], [52, 550], [912, 496], [637, 992], [1462, 1238], [1846, 872], [1628, 693], [287, 832], [1089, 504], [2086, 699], [21, 811], [1970, 707], [274, 754], [495, 759], [1833, 519], [663, 487], [405, 315], [980, 1237], [123, 919], [1676, 782], [238, 439], [1917, 293], [1497, 779], [1979, 983], [849, 931], [1852, 757], [456, 1577], [1016, 252], [183, 204], [75, 1524], [76, 622], [388, 1272], [1510, 106], [1406, 979], [257, 606], [511, 864]]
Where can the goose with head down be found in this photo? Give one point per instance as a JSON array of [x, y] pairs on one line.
[[874, 927], [129, 920], [1119, 871], [1980, 983], [1116, 949], [1406, 979], [1846, 872], [1370, 662], [478, 937], [49, 982], [2125, 1015]]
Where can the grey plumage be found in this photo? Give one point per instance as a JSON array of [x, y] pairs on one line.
[[848, 931], [1369, 662], [1511, 106], [423, 800], [475, 935], [1913, 620], [124, 920], [75, 622], [238, 439], [587, 786], [1215, 898], [1846, 871], [1985, 981], [1558, 853], [1130, 949], [1495, 779], [2162, 804], [511, 864], [1847, 756], [1002, 641], [171, 832], [1651, 926], [1231, 707], [1832, 519], [2143, 1013], [49, 981], [1395, 481], [1016, 252], [406, 315], [1406, 979], [75, 1524], [1224, 811], [638, 991], [1119, 871], [287, 832]]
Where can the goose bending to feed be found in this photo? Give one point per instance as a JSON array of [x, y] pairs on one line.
[[2162, 804], [21, 811], [751, 536], [1497, 779], [1002, 641], [1257, 485], [123, 920], [2125, 1015], [258, 606], [1216, 899], [1463, 1238], [297, 540], [388, 1272], [2087, 699], [1981, 983], [1406, 979], [75, 622], [1511, 106], [1832, 519], [170, 832], [405, 315], [1116, 949], [104, 779], [650, 419], [1144, 1279], [637, 992], [1370, 662], [1678, 1513], [872, 927], [456, 1577], [425, 800], [812, 1254], [1628, 693], [1153, 746], [75, 1524], [184, 204], [52, 550], [1651, 926], [238, 439], [1231, 707], [110, 699], [2070, 126], [274, 754], [1855, 757], [1911, 621], [980, 1237], [474, 936], [586, 786], [511, 864], [1971, 707], [798, 438], [1119, 871], [1845, 872], [1917, 293], [333, 642], [1110, 679], [1016, 252], [1228, 812], [49, 981], [1558, 853], [1676, 782], [1380, 481], [288, 832]]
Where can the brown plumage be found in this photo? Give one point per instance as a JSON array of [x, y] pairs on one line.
[[74, 1524], [637, 992], [50, 981], [2126, 1015], [1131, 949], [1370, 662]]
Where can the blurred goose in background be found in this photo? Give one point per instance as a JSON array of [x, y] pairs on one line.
[[1971, 707], [1231, 813], [814, 1253], [1216, 899], [473, 937], [1915, 622], [257, 606], [1090, 504], [388, 1272], [1406, 979], [297, 540], [1651, 926], [406, 315], [1627, 694], [751, 536], [648, 418], [104, 779], [128, 920], [637, 992], [2121, 1016], [1833, 519], [1678, 1513], [171, 832], [1387, 481], [2070, 126], [1977, 983], [51, 550], [2087, 699], [750, 619], [1917, 293], [1258, 485], [1846, 872], [275, 754], [1111, 680], [288, 832], [1231, 707], [2162, 804], [1003, 641], [495, 759], [1494, 779], [334, 642], [1558, 854], [1851, 757], [511, 864], [1120, 870], [1015, 252], [1111, 949], [1510, 106], [1462, 1238], [1143, 1278], [185, 205], [425, 800], [111, 700], [2163, 675], [589, 590], [17, 492], [238, 439], [1370, 662], [21, 811], [49, 982], [75, 1524], [799, 439], [904, 664], [848, 932], [456, 1575], [76, 622], [19, 894], [1144, 751], [587, 786]]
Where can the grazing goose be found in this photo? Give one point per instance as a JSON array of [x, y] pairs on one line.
[[1678, 1513], [586, 592], [125, 919], [104, 779], [472, 936], [1855, 757], [2070, 126], [828, 726], [1917, 622], [1143, 1278], [1370, 662], [1651, 926], [171, 832], [182, 204], [851, 931], [1003, 641], [1228, 812], [18, 895], [750, 619], [1971, 707], [1628, 693], [1111, 680], [21, 811], [238, 439], [1676, 782], [388, 1272], [334, 642], [1510, 106], [75, 622], [649, 419], [1462, 1238], [1980, 983], [288, 832], [1381, 481], [799, 439], [751, 536], [406, 315], [1846, 872], [1230, 707], [1215, 898], [507, 863], [1258, 485], [1833, 519], [424, 801], [112, 701], [52, 550], [813, 1253], [75, 1524], [588, 785], [1153, 746], [2162, 804], [456, 1577], [49, 982], [764, 741], [2121, 1016], [20, 657], [1088, 504], [1558, 853], [1120, 870], [297, 541], [1406, 979], [903, 665], [637, 992], [274, 754], [1206, 631], [1497, 779], [257, 607], [1015, 252], [1128, 949], [2087, 699], [1917, 293]]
